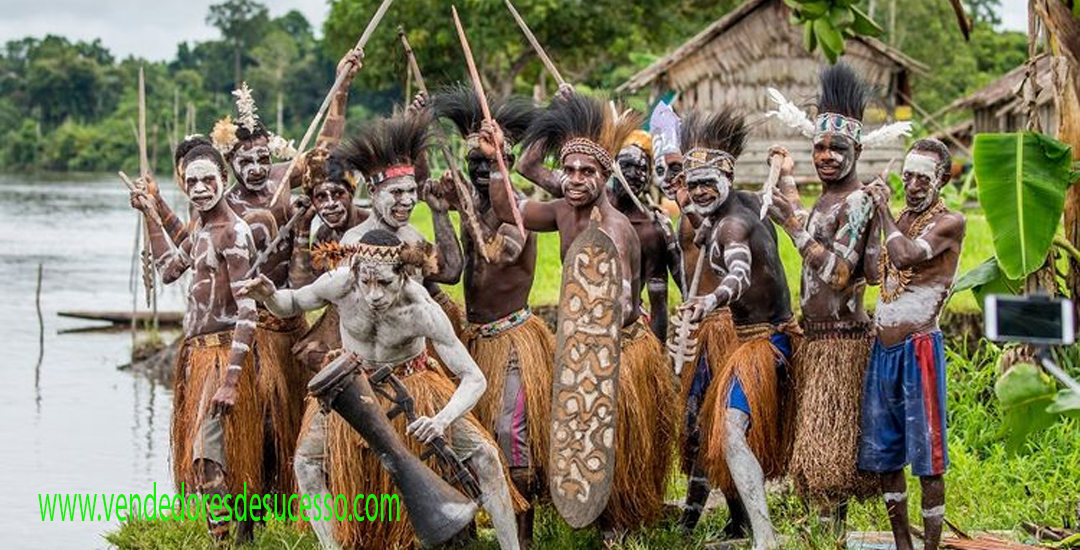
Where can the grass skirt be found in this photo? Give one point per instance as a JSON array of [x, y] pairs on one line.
[[282, 386], [716, 340], [355, 470], [754, 363], [201, 365], [829, 371], [535, 347], [647, 418]]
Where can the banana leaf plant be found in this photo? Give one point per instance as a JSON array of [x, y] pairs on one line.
[[1022, 182]]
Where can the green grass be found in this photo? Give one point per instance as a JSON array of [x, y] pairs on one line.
[[987, 489], [978, 246]]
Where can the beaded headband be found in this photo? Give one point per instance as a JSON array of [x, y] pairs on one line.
[[832, 123], [700, 157], [331, 255], [587, 147], [472, 141]]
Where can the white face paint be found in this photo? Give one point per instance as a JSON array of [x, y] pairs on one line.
[[252, 166], [919, 163], [583, 180], [379, 284], [203, 184], [393, 201], [922, 181], [708, 191]]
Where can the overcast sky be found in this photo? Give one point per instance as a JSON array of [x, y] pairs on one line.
[[153, 28]]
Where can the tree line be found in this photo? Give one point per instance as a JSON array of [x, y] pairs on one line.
[[71, 105]]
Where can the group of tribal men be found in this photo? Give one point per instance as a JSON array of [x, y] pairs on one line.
[[839, 403]]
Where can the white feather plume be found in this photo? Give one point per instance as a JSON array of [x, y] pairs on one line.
[[280, 148], [886, 134], [790, 114], [245, 107]]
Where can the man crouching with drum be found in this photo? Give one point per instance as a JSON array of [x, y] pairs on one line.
[[386, 319]]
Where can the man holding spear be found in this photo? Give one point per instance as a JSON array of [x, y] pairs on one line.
[[743, 439], [261, 199], [513, 348], [586, 135]]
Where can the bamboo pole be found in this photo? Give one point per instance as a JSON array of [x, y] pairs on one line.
[[372, 24]]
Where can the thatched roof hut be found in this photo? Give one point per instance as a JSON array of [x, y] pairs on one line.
[[1000, 106], [732, 62]]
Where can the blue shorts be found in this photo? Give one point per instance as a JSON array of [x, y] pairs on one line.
[[736, 396], [903, 408]]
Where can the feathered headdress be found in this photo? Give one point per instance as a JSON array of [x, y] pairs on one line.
[[322, 165], [376, 246], [389, 148], [664, 126], [642, 140], [228, 134], [712, 141], [583, 125], [841, 105], [459, 104]]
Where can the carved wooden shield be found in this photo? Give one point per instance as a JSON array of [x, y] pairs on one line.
[[582, 460]]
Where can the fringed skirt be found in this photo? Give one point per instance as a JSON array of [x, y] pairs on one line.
[[282, 386], [756, 363], [201, 366], [829, 372], [524, 338], [716, 340], [355, 470], [647, 418]]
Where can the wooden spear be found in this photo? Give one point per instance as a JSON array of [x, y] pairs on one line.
[[479, 87], [284, 186], [468, 209], [559, 80], [535, 43], [144, 172]]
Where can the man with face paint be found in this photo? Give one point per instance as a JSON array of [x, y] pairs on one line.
[[585, 133], [742, 422], [217, 424], [903, 413], [659, 251], [331, 189], [390, 151], [391, 155], [387, 318], [514, 349], [839, 259], [715, 334]]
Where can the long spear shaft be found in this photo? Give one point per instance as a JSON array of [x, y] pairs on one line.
[[144, 172], [372, 24], [482, 98], [468, 210], [535, 43]]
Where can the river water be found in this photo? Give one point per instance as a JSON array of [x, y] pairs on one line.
[[74, 424]]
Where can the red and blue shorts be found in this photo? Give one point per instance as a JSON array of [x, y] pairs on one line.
[[903, 408]]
